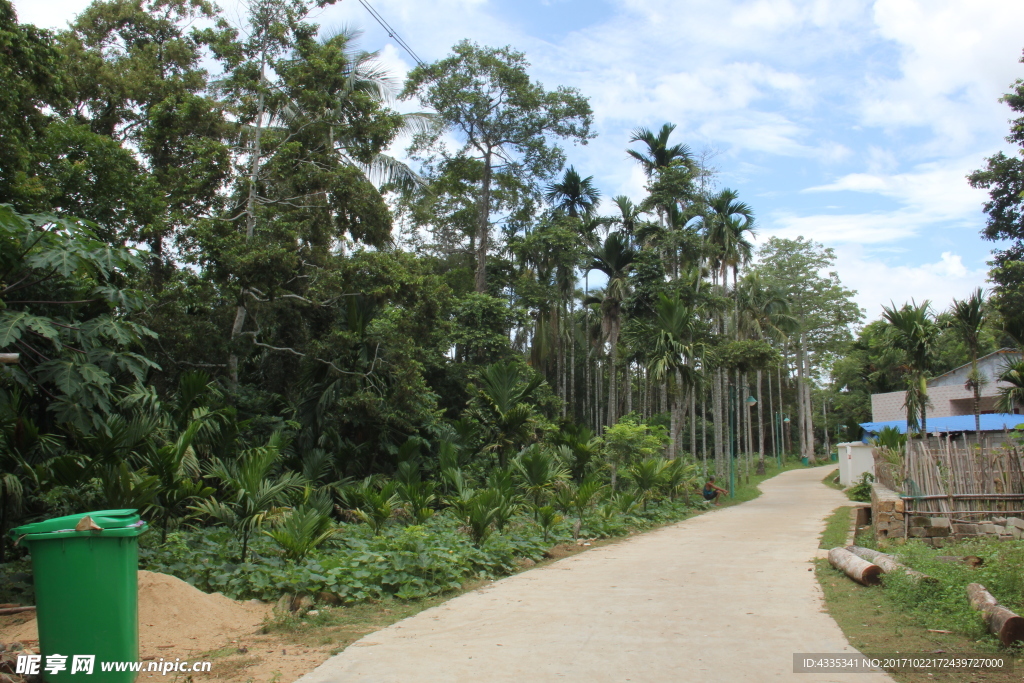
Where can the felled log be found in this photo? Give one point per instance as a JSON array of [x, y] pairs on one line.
[[16, 610], [970, 560], [1003, 623], [888, 563], [9, 358], [860, 570]]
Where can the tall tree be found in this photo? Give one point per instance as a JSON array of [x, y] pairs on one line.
[[967, 317], [30, 72], [913, 331], [822, 308], [657, 155], [575, 195], [504, 118], [615, 259], [307, 141], [1003, 177]]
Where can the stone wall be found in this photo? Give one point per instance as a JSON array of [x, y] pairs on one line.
[[891, 521], [887, 513]]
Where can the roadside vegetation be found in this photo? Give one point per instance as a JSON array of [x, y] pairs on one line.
[[903, 615]]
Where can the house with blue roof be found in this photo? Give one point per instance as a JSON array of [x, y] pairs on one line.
[[951, 400]]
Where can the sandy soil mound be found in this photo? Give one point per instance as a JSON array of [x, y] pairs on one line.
[[174, 618]]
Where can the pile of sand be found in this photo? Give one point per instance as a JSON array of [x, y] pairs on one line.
[[174, 618]]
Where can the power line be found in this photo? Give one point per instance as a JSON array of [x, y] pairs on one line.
[[391, 31]]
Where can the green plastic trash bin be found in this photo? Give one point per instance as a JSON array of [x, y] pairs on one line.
[[87, 592]]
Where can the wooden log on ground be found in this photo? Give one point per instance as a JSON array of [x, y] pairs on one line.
[[1003, 623], [9, 358], [970, 560], [16, 610], [888, 563], [860, 570]]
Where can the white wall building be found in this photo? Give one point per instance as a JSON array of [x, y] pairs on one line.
[[948, 394]]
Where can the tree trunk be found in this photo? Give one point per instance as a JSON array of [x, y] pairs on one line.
[[483, 226], [693, 423], [760, 426], [673, 426], [824, 426], [977, 393], [250, 225], [1003, 623], [716, 418], [860, 570], [807, 414], [613, 385], [627, 387], [750, 424], [572, 365], [704, 431], [888, 563]]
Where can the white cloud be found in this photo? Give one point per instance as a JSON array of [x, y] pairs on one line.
[[878, 283], [956, 59], [932, 195]]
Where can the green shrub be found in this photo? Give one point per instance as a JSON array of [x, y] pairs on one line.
[[861, 491]]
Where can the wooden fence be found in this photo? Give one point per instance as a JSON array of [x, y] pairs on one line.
[[948, 477]]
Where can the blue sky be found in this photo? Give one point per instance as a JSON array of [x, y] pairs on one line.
[[851, 122]]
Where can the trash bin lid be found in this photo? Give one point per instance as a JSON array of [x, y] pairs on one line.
[[105, 519]]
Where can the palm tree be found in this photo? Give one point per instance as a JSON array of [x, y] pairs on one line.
[[574, 195], [763, 314], [615, 259], [503, 404], [674, 355], [659, 155], [967, 318], [1012, 396], [540, 471], [913, 331], [724, 225], [629, 215], [726, 230], [252, 494]]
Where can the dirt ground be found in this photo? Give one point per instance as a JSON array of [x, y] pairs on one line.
[[178, 621], [247, 642]]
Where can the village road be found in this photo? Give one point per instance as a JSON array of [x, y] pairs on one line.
[[725, 596]]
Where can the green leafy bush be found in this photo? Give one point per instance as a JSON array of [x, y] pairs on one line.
[[861, 491], [363, 563]]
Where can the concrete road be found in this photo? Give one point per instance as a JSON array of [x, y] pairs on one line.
[[726, 596]]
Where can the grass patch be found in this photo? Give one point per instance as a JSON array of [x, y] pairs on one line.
[[836, 529], [947, 607], [341, 626], [874, 624], [831, 480], [904, 616]]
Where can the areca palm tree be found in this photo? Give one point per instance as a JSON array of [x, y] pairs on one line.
[[615, 259], [913, 331], [1012, 396], [674, 355], [763, 313], [726, 228], [573, 194], [658, 154], [503, 404], [253, 494], [967, 318], [629, 214]]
